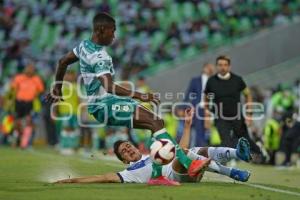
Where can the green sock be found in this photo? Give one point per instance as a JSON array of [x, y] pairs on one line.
[[74, 139], [180, 155], [63, 140], [156, 170]]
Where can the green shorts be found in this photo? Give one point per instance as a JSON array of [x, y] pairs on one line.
[[115, 111]]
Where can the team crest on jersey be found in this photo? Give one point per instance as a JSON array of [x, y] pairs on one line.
[[139, 164], [117, 107]]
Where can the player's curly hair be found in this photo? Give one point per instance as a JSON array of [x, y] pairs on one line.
[[103, 18], [116, 149]]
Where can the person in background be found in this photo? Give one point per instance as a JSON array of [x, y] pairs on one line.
[[7, 108], [194, 95], [291, 140], [67, 110], [50, 126], [142, 140], [143, 88], [27, 86], [89, 137], [223, 97], [284, 100], [6, 123], [113, 135], [272, 136], [2, 123]]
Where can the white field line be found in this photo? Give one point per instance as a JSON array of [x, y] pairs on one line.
[[267, 188], [112, 163], [271, 189]]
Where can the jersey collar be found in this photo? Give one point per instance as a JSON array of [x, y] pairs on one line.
[[93, 45]]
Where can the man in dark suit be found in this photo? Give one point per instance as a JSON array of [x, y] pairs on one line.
[[195, 95]]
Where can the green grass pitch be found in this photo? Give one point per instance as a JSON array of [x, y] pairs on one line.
[[27, 175]]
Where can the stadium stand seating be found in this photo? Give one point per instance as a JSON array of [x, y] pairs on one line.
[[150, 33]]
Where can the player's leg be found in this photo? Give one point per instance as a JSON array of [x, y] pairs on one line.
[[219, 154], [225, 131], [120, 111], [240, 130], [69, 136], [145, 119], [216, 167], [178, 168], [290, 141], [27, 132], [225, 154], [26, 125]]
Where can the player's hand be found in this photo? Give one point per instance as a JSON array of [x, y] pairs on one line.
[[54, 96], [189, 115]]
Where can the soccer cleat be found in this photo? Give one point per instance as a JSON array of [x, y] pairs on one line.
[[162, 180], [239, 175], [198, 166], [243, 150]]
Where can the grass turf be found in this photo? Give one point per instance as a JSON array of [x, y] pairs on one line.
[[27, 175]]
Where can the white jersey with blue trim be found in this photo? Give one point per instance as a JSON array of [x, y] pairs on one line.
[[140, 171]]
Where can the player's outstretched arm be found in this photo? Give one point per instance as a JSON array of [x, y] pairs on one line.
[[111, 87], [207, 116], [106, 178], [63, 63], [185, 139]]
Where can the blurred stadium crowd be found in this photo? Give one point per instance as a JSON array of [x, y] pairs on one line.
[[34, 34], [149, 32]]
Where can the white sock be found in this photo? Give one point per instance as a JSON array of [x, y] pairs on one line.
[[195, 149], [221, 154], [159, 132], [213, 166], [194, 155], [219, 168]]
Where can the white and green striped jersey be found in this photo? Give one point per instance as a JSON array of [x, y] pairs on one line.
[[94, 62]]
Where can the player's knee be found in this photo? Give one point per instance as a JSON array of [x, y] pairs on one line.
[[157, 125], [160, 123]]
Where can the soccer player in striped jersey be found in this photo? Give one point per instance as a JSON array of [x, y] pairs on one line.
[[110, 103]]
